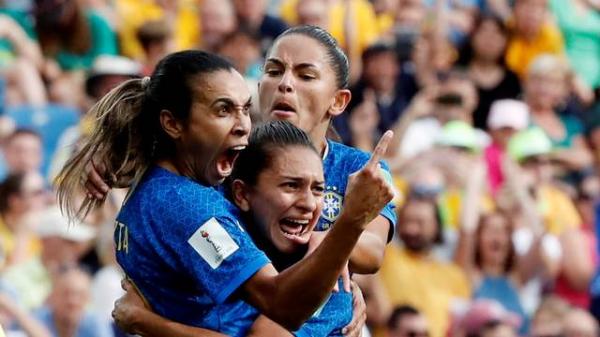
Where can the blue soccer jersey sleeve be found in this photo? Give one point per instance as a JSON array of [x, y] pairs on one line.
[[339, 162], [182, 245], [331, 318]]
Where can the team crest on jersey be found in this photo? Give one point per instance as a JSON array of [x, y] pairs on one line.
[[332, 204]]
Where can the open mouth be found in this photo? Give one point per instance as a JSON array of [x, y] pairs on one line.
[[283, 109], [295, 230], [227, 160]]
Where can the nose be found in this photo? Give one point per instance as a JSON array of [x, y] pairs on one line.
[[307, 201], [243, 125], [286, 84]]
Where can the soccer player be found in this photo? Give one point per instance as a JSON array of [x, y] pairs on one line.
[[278, 184], [174, 136]]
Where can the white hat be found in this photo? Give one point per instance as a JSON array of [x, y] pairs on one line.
[[53, 224], [508, 113]]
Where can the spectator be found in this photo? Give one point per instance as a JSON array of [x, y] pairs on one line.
[[71, 36], [549, 318], [314, 13], [243, 48], [559, 216], [487, 318], [62, 245], [22, 195], [506, 118], [579, 22], [545, 89], [407, 321], [532, 34], [156, 39], [20, 59], [217, 21], [383, 84], [484, 57], [253, 15], [23, 151], [440, 284], [181, 17], [65, 313], [18, 322], [352, 23], [580, 323], [576, 291], [108, 72]]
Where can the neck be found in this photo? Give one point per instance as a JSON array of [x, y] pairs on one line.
[[64, 327], [281, 261], [493, 268], [319, 137]]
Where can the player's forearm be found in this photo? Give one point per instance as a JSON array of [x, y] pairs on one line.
[[367, 255], [320, 270]]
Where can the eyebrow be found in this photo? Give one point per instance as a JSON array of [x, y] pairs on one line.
[[300, 65], [229, 101], [302, 179]]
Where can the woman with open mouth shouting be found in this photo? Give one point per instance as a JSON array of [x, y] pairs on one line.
[[173, 137]]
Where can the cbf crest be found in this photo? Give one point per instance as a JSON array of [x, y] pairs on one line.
[[332, 204]]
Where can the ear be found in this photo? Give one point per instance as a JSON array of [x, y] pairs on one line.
[[240, 192], [340, 102], [170, 124]]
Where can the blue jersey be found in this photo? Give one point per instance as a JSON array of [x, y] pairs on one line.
[[331, 318], [183, 247], [339, 162]]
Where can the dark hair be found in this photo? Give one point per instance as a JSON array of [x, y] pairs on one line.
[[398, 313], [510, 262], [467, 52], [264, 139], [10, 186], [128, 135], [337, 59], [22, 132], [378, 48], [53, 32], [156, 31]]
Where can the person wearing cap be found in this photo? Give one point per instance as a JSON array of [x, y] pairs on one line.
[[107, 72], [506, 117], [488, 318], [62, 245], [561, 222]]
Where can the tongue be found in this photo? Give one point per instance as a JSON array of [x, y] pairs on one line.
[[224, 165], [291, 228]]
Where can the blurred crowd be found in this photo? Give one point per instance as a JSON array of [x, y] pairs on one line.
[[495, 105]]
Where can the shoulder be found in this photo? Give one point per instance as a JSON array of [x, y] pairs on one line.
[[174, 197]]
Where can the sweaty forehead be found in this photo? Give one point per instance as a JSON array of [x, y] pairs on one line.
[[298, 49], [220, 84]]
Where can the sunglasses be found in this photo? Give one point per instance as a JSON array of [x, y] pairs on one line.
[[414, 333]]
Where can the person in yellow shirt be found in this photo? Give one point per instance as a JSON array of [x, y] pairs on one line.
[[364, 25], [533, 34], [182, 16], [412, 275], [21, 194]]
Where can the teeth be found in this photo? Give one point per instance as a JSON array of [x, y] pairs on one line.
[[299, 222], [239, 147]]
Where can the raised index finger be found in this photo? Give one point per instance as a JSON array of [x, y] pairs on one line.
[[380, 150]]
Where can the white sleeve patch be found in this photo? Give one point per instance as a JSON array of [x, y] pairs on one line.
[[213, 243]]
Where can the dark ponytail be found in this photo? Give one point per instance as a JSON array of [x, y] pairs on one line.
[[128, 136]]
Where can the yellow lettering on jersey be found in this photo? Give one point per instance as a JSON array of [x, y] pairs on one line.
[[122, 237]]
